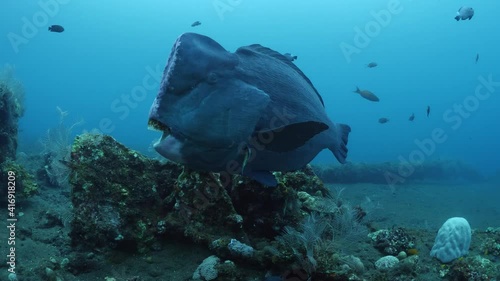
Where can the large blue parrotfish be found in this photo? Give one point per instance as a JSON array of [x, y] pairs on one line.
[[250, 112]]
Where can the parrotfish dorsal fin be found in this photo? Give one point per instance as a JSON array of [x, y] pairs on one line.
[[259, 49]]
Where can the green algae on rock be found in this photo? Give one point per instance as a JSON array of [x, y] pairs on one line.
[[117, 194], [26, 185], [11, 109], [123, 200]]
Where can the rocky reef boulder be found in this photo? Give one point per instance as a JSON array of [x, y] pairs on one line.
[[10, 112], [125, 200]]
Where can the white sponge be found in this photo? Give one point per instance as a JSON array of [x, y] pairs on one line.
[[452, 240], [207, 269]]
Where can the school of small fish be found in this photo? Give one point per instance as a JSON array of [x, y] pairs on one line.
[[463, 13]]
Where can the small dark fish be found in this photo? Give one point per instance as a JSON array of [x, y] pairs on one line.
[[372, 65], [56, 28], [367, 94], [464, 13], [383, 120], [428, 110], [196, 23], [477, 57], [290, 56], [412, 117]]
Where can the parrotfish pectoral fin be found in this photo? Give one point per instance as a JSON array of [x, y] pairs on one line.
[[290, 137], [263, 177], [248, 154], [231, 112], [339, 149]]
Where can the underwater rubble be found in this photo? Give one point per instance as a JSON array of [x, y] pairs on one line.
[[132, 199], [126, 204], [124, 201]]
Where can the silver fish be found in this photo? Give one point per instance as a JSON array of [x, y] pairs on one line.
[[366, 94]]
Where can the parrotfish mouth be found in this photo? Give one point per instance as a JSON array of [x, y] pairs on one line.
[[155, 125], [168, 146]]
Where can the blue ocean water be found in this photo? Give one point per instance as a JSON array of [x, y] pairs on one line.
[[106, 66]]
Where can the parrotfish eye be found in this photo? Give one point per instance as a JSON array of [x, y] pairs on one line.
[[212, 78]]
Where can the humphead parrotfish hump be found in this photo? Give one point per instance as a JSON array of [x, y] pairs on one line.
[[195, 87], [201, 108]]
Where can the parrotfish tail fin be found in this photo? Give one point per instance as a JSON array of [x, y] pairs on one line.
[[339, 149], [357, 90], [457, 18]]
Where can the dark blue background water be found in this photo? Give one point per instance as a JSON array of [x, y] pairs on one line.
[[425, 58]]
